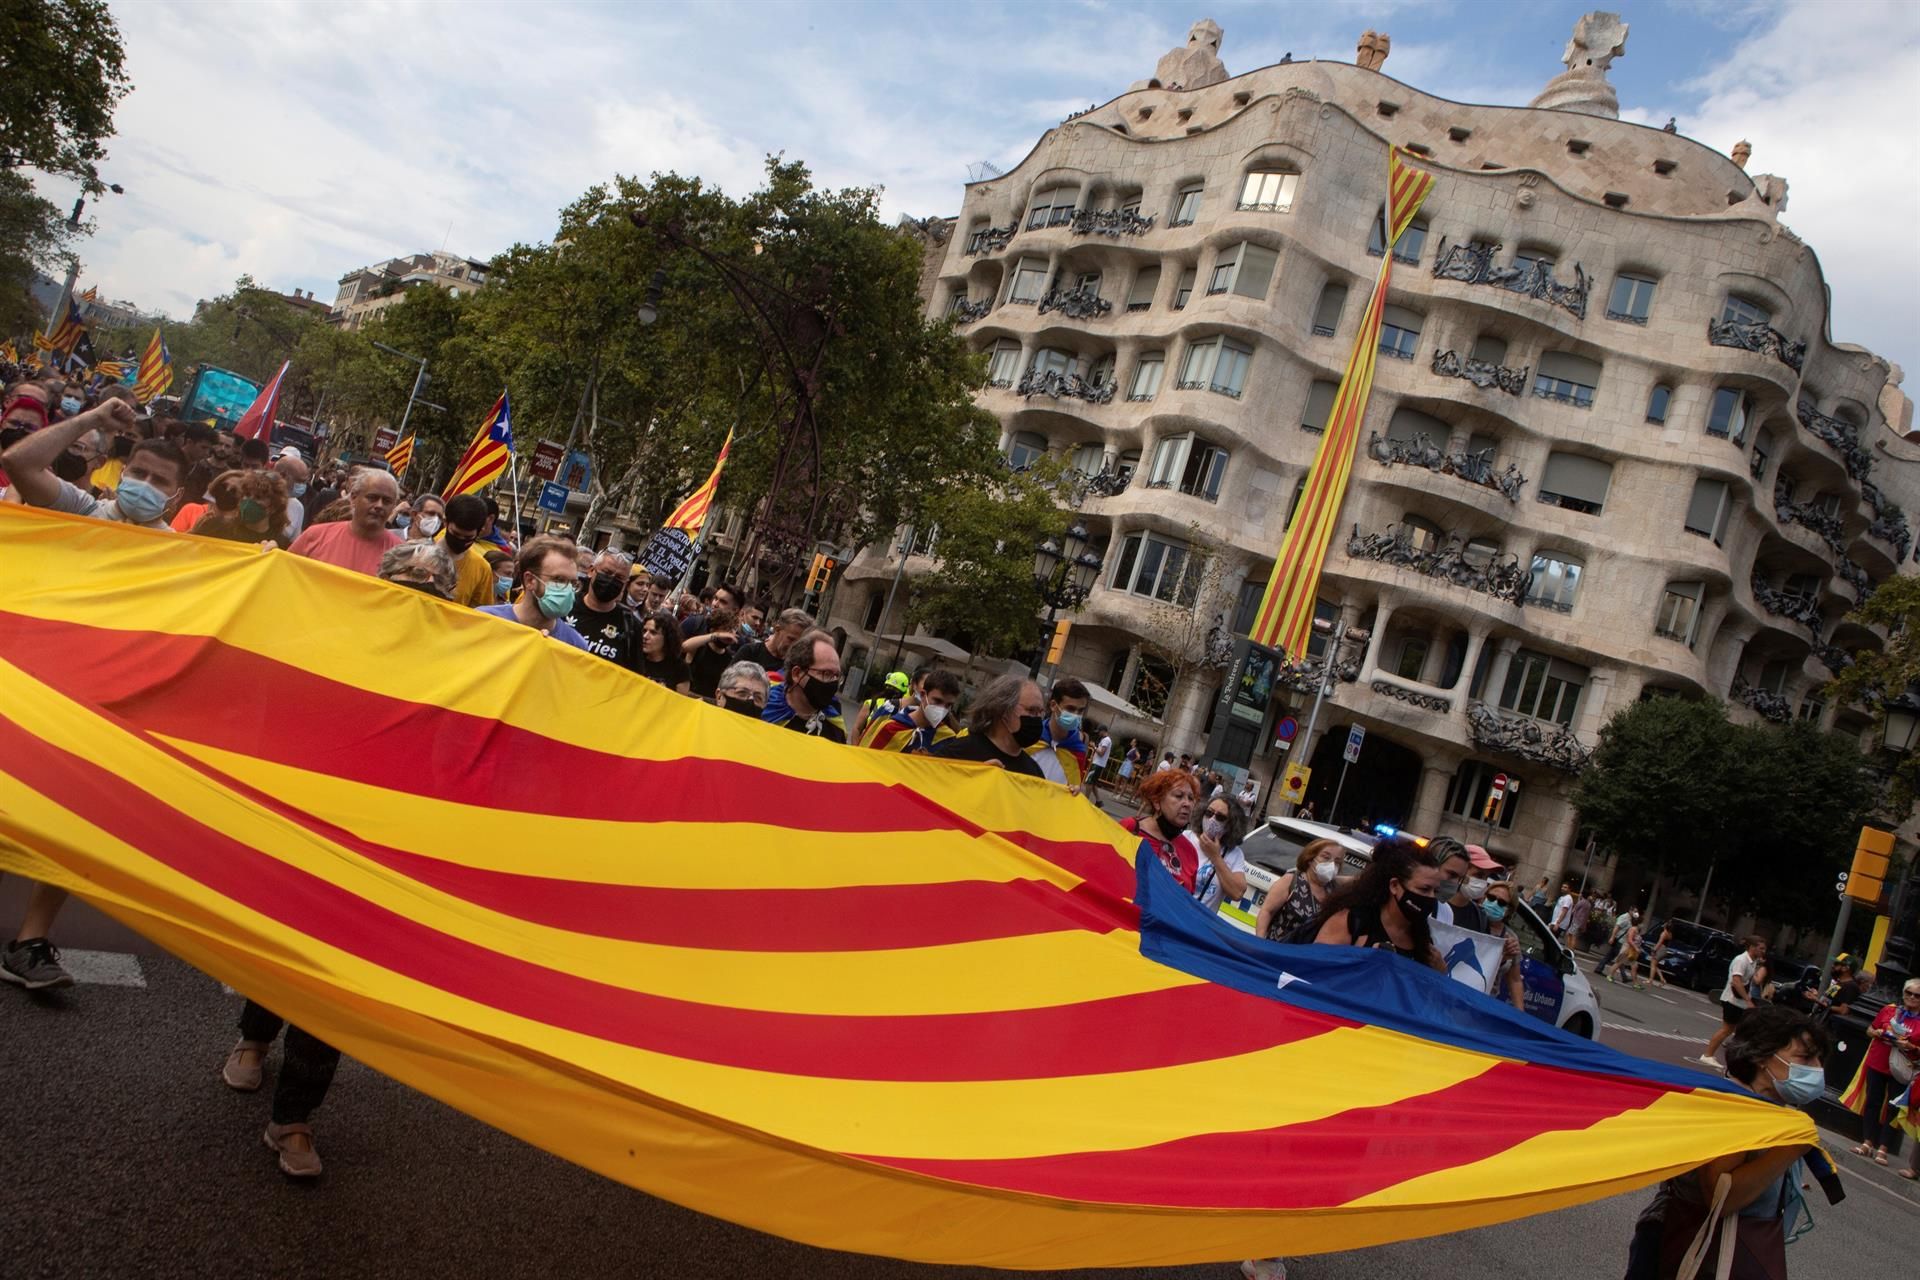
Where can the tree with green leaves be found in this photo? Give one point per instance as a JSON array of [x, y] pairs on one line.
[[1878, 676], [62, 74]]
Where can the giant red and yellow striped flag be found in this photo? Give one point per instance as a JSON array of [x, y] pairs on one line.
[[400, 457], [920, 1009], [489, 453], [1285, 620], [156, 369], [691, 514]]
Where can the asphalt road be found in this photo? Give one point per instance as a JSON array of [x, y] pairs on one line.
[[122, 1155]]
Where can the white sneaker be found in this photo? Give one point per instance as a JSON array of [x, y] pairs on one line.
[[1708, 1060], [1264, 1269]]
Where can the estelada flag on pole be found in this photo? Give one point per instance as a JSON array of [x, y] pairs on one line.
[[257, 422], [488, 454], [692, 511], [156, 370], [1285, 620], [400, 457]]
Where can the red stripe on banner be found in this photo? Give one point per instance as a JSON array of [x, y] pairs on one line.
[[1143, 1032], [1320, 1164], [180, 687]]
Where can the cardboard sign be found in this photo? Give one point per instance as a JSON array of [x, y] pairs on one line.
[[547, 456], [668, 552]]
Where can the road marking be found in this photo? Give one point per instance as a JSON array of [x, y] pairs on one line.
[[1648, 1031], [1867, 1181], [102, 968]]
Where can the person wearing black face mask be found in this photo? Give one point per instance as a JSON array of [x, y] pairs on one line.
[[599, 613], [1002, 723], [808, 700], [1386, 906], [743, 689], [466, 516]]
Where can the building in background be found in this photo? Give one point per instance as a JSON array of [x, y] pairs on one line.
[[366, 291], [1612, 452]]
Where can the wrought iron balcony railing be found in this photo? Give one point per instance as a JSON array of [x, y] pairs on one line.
[[1472, 263], [1446, 559], [1839, 435], [1483, 374], [1474, 468], [1856, 577], [1832, 657], [968, 312], [1790, 605], [1305, 676], [1077, 304], [1112, 223], [1761, 339], [989, 240], [1889, 521], [1062, 386], [1823, 523], [1771, 705], [1540, 741], [1413, 697]]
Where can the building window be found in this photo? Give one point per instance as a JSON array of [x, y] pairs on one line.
[[1218, 364], [1100, 374], [1762, 455], [1576, 482], [957, 301], [1544, 688], [1313, 417], [1190, 465], [1406, 249], [1419, 533], [1186, 204], [1003, 365], [875, 603], [1567, 378], [1408, 425], [1658, 403], [1679, 616], [1246, 606], [1156, 567], [1744, 311], [1399, 332], [1051, 360], [1812, 707], [977, 239], [1473, 784], [1029, 281], [1318, 639], [1326, 312], [1245, 269], [1727, 417], [1555, 581], [1025, 449], [1088, 282], [1125, 465], [1528, 258], [1708, 509], [1491, 348], [1089, 459], [1293, 506], [1631, 300], [1413, 657], [1146, 376], [1184, 289], [1052, 208], [1152, 685], [1268, 191], [1145, 285]]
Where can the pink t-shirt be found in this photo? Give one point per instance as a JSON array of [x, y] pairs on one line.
[[336, 543]]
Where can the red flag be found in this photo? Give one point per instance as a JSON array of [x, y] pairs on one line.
[[257, 422]]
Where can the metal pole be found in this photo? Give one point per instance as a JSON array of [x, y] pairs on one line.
[[513, 480], [1587, 869], [73, 272], [906, 545], [1319, 693], [1839, 936], [1340, 786], [418, 377], [1701, 906], [1033, 672]]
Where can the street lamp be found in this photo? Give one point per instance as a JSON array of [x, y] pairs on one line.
[[1903, 724], [1064, 576], [650, 305]]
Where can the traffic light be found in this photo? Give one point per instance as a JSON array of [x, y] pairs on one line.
[[1059, 645], [821, 571], [813, 572], [1870, 859]]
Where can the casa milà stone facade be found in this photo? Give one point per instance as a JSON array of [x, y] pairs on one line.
[[1612, 450]]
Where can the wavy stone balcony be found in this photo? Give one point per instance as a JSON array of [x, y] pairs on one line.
[[1788, 604], [1474, 468], [1827, 527], [1413, 697], [1112, 223], [1761, 339], [1446, 561], [1530, 739], [968, 312], [1107, 483], [1832, 657], [1472, 263], [1889, 521], [1062, 386], [1840, 436], [989, 240], [1856, 577], [1770, 705], [1076, 304], [1483, 374]]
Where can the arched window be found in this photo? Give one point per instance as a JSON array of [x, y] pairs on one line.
[[1708, 509], [1739, 310], [1186, 204], [1490, 348], [1051, 208], [1555, 580], [1146, 375], [1631, 300], [1313, 415], [1326, 312], [1003, 365], [1658, 402], [1245, 269], [1268, 190], [1727, 417], [1679, 616], [1419, 533]]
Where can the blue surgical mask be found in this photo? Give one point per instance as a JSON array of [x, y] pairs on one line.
[[401, 522], [1495, 909], [1070, 721], [138, 502], [556, 599], [300, 490], [69, 405], [502, 588], [1803, 1086]]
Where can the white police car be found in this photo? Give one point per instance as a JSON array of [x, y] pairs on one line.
[[1557, 990]]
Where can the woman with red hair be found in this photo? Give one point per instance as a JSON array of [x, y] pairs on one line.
[[1169, 797]]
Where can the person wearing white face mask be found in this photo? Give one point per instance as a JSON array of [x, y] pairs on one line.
[[914, 729], [1061, 752], [1219, 828], [1297, 897], [1495, 908]]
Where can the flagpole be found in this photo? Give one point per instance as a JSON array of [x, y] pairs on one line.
[[513, 478]]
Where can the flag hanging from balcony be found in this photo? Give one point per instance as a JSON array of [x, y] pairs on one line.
[[400, 457], [692, 511], [487, 456], [257, 422], [156, 370], [1285, 619]]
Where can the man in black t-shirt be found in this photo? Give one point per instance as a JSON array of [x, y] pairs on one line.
[[771, 653], [711, 648], [1003, 722], [600, 615]]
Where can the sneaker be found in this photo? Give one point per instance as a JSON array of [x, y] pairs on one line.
[[241, 1073], [297, 1160], [33, 963], [1707, 1060]]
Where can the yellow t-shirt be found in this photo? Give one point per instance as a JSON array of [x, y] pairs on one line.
[[473, 581], [106, 476]]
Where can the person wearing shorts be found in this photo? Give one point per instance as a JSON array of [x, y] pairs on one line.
[[1737, 997]]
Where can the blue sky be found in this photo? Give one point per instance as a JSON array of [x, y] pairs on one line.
[[297, 139]]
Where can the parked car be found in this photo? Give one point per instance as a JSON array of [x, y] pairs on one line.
[[1557, 990], [1698, 957]]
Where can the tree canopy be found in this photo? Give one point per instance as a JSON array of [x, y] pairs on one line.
[[982, 589], [1878, 676], [1773, 809]]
